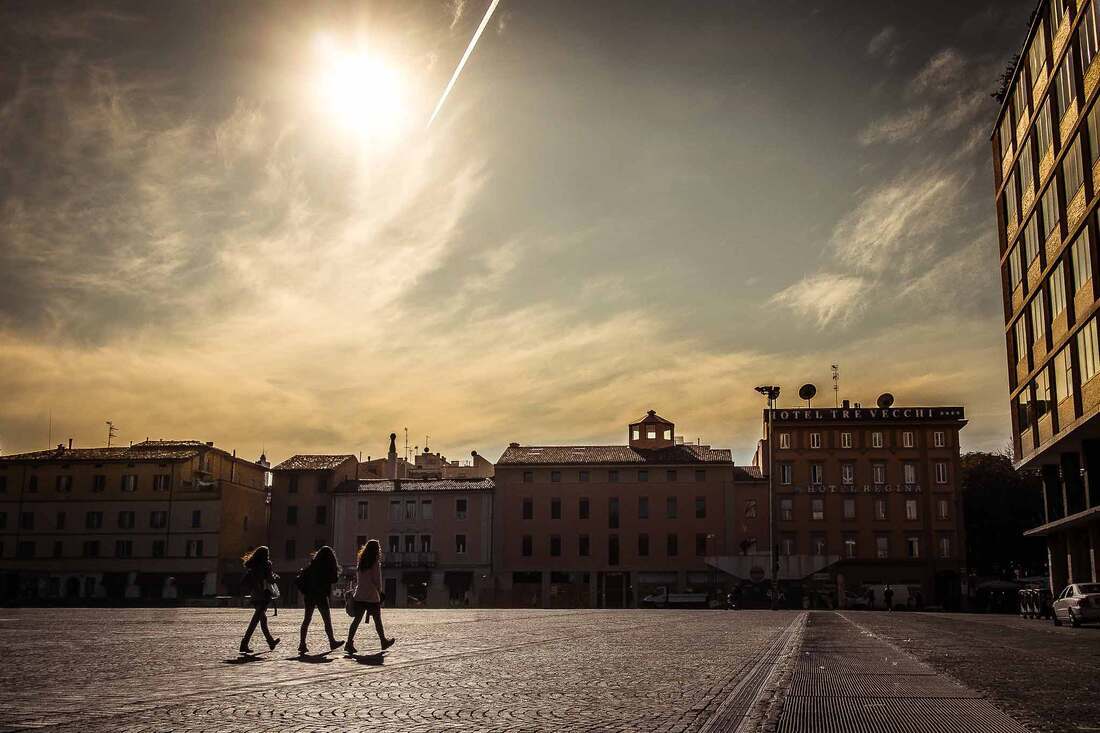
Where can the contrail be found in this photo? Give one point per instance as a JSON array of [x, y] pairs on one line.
[[469, 50]]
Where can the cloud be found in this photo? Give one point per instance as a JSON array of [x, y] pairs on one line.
[[940, 73], [824, 298], [907, 125], [883, 45], [457, 9]]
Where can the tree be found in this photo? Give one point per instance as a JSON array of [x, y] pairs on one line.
[[1001, 503]]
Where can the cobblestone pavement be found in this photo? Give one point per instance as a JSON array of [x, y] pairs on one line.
[[487, 670], [1045, 676]]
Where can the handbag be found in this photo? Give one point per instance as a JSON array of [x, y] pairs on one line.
[[271, 589], [349, 601]]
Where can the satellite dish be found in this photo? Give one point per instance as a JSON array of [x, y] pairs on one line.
[[885, 400], [807, 392]]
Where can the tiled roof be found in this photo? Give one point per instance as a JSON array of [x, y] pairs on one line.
[[135, 453], [743, 473], [171, 443], [303, 462], [563, 455], [424, 484]]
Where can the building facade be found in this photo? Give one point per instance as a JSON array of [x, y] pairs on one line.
[[436, 537], [1046, 164], [867, 497], [156, 520], [606, 526]]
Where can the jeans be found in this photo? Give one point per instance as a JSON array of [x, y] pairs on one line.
[[321, 604], [258, 617], [370, 609]]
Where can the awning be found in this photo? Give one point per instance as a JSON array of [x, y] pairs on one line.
[[755, 566], [1071, 522]]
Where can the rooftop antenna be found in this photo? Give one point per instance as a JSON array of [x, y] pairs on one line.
[[406, 445], [426, 436], [112, 431], [836, 385], [49, 430]]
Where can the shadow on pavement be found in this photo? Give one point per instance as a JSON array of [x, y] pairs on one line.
[[376, 660], [311, 658], [244, 659]]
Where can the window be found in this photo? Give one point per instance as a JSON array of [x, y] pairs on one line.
[[1087, 37], [1073, 169], [410, 509], [849, 547], [1019, 99], [60, 524], [1031, 240], [613, 476], [643, 507], [613, 513], [1005, 135], [460, 544], [878, 473], [583, 477], [643, 545], [672, 545], [817, 509], [635, 433], [1081, 254], [786, 546], [126, 520], [670, 508], [1027, 172], [394, 543], [91, 548], [909, 473], [907, 439], [939, 439], [786, 473], [670, 475], [1057, 288], [700, 507], [320, 515], [1088, 359], [1019, 331], [292, 484], [1050, 209], [1058, 11], [555, 508], [425, 543], [158, 519], [528, 508], [292, 515], [129, 482], [815, 440], [193, 548], [849, 508], [555, 477], [1044, 129], [876, 439], [65, 484], [845, 440], [882, 547], [461, 508], [1015, 268], [1037, 54], [941, 472], [32, 484], [650, 432], [847, 473], [912, 546], [817, 474], [819, 546], [1038, 320], [528, 477], [945, 547], [1023, 408], [1094, 131], [162, 482], [1063, 375], [700, 475], [362, 509], [1011, 202], [750, 509], [555, 545], [700, 544], [583, 546], [784, 440], [410, 543], [943, 509], [93, 520], [196, 518], [613, 550], [786, 509], [1063, 83], [24, 551], [911, 509], [158, 548], [880, 509], [582, 508], [26, 520], [124, 548]]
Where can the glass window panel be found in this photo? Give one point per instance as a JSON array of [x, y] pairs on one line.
[[1082, 261], [1073, 169], [1021, 338], [1031, 240], [1063, 377], [1015, 268], [1057, 287], [1086, 34], [1027, 171], [1038, 321], [1088, 359], [1063, 83], [1044, 129], [1051, 209], [1037, 54]]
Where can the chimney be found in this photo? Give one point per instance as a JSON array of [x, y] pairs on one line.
[[209, 444], [70, 443], [61, 446], [845, 404]]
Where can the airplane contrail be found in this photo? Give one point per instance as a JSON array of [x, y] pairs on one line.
[[469, 50]]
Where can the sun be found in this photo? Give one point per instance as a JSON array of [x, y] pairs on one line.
[[359, 92]]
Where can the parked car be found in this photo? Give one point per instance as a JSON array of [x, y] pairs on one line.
[[663, 599], [1078, 604]]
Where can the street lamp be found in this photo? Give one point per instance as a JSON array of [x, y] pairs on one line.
[[772, 394]]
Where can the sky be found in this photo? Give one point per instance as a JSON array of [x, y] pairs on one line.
[[230, 221]]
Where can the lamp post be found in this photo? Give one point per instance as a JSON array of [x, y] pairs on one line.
[[772, 394]]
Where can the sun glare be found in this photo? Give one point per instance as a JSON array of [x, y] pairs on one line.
[[360, 92]]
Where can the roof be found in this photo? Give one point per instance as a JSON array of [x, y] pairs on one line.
[[563, 455], [747, 473], [652, 417], [425, 484], [314, 462], [130, 454]]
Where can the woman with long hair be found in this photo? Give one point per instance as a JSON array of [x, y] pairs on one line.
[[368, 595], [315, 581], [259, 578]]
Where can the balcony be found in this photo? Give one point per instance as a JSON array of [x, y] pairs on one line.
[[410, 559]]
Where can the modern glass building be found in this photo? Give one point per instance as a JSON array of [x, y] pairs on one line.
[[1046, 160]]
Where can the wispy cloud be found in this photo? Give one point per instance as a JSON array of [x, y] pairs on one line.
[[825, 298], [884, 46]]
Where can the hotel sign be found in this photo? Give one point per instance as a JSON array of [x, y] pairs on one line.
[[865, 414]]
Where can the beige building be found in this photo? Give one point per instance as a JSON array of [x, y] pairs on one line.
[[160, 519]]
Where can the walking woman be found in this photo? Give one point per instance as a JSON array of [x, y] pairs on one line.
[[368, 594], [260, 579], [315, 581]]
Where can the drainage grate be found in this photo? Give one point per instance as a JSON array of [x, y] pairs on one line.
[[894, 715], [881, 661], [869, 685]]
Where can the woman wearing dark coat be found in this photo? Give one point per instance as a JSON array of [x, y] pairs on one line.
[[315, 582], [259, 578]]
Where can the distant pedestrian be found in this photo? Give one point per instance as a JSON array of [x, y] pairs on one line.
[[259, 580], [871, 598], [888, 596], [368, 594], [315, 582]]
